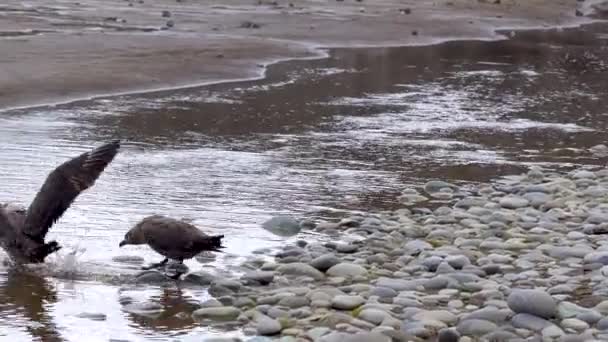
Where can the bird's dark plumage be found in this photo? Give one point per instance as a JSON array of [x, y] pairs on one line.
[[174, 239], [22, 232]]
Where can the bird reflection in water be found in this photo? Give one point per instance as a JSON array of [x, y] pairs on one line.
[[175, 312], [27, 296]]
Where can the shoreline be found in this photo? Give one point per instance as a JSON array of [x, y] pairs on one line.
[[320, 51], [285, 50]]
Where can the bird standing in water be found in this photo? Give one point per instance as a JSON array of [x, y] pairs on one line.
[[171, 238], [22, 231]]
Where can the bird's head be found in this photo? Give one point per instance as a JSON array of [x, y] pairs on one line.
[[135, 236]]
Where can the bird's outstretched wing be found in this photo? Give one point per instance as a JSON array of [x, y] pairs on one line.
[[63, 185]]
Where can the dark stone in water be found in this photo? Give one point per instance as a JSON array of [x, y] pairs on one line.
[[284, 226], [152, 277]]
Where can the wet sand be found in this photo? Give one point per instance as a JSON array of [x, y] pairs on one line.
[[60, 51]]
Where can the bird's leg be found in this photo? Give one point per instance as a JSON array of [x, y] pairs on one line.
[[177, 270], [156, 265]]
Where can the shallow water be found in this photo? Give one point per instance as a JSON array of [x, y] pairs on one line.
[[316, 139]]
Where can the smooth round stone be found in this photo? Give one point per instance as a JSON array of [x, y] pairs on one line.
[[602, 324], [438, 315], [568, 310], [513, 202], [432, 187], [346, 248], [345, 302], [316, 333], [267, 326], [536, 199], [448, 335], [533, 302], [476, 327], [552, 332], [374, 316], [284, 226], [383, 292], [261, 277], [458, 261], [275, 312], [211, 303], [347, 270], [590, 316], [489, 313], [574, 324], [325, 262], [432, 262], [224, 313], [530, 322], [300, 269], [152, 277], [294, 302]]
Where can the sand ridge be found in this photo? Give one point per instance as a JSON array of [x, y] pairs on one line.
[[57, 51]]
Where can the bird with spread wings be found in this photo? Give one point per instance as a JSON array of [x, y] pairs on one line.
[[22, 232]]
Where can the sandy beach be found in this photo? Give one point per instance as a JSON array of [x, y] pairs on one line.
[[58, 51]]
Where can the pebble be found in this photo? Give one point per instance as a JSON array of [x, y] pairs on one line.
[[530, 322], [267, 326], [325, 262], [284, 226], [224, 313], [533, 302], [300, 269], [448, 335], [476, 327], [259, 277], [345, 302], [347, 270]]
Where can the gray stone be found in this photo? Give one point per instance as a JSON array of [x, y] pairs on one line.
[[152, 277], [294, 302], [476, 327], [224, 313], [458, 261], [284, 226], [432, 187], [383, 292], [357, 337], [602, 324], [200, 278], [448, 335], [346, 248], [537, 199], [574, 324], [345, 302], [300, 269], [259, 277], [590, 316], [316, 333], [374, 316], [399, 284], [530, 322], [513, 202], [211, 303], [267, 326], [489, 313], [534, 302], [325, 262], [347, 270]]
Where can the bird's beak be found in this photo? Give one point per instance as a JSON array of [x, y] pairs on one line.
[[122, 243]]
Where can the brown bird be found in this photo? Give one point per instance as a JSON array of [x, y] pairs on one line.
[[22, 232], [171, 238]]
